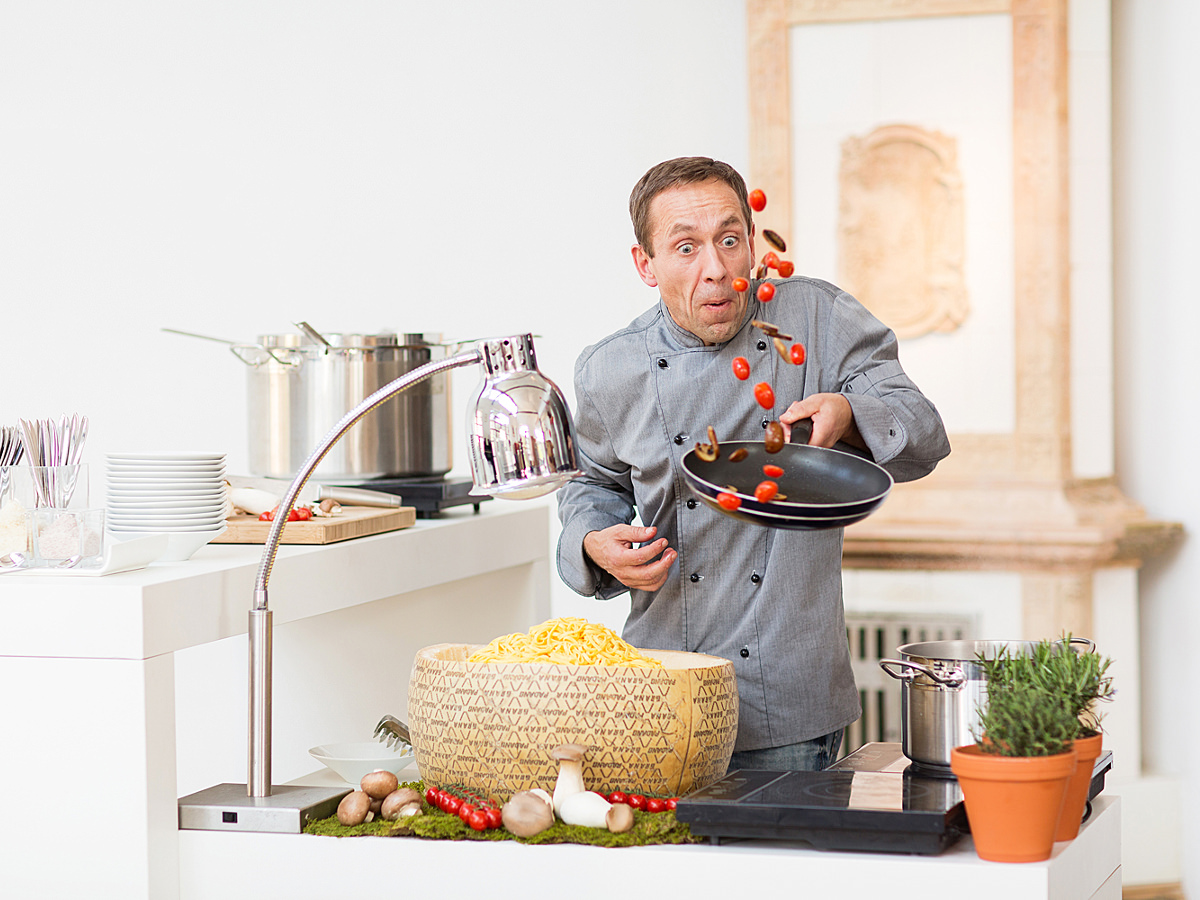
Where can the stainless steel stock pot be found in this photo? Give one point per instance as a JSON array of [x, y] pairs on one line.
[[299, 386], [943, 687]]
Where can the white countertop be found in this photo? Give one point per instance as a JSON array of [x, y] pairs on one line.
[[167, 607]]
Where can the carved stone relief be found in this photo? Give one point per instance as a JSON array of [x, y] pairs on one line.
[[900, 228]]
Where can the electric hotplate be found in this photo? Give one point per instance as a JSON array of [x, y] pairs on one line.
[[429, 496], [872, 800]]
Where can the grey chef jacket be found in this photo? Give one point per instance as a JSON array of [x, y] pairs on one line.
[[769, 600]]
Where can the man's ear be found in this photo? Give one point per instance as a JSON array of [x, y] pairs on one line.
[[641, 262]]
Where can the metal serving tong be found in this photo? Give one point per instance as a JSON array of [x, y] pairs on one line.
[[391, 731]]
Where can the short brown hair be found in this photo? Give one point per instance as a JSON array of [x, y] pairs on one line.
[[673, 173]]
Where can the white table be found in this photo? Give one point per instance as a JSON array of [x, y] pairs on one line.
[[124, 692]]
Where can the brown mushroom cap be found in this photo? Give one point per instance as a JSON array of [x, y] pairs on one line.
[[569, 752]]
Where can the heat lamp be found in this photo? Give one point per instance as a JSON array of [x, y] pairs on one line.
[[521, 445]]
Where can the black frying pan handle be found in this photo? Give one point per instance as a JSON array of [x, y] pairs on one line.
[[802, 431]]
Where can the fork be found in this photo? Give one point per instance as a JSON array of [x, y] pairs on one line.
[[391, 731]]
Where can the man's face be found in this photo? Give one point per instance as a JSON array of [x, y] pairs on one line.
[[700, 243]]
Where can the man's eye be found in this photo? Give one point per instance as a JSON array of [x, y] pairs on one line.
[[685, 249], [730, 241]]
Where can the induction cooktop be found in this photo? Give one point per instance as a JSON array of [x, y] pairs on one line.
[[872, 800]]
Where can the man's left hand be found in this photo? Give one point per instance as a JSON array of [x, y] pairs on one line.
[[832, 420]]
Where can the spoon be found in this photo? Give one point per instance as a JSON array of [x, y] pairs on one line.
[[70, 562], [14, 560]]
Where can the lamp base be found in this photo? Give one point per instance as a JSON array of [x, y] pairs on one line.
[[228, 807]]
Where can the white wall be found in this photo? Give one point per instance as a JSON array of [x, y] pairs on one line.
[[1156, 126], [228, 168]]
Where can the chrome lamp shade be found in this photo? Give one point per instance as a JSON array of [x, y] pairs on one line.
[[522, 445]]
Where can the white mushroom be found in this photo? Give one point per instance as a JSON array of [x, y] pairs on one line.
[[570, 773], [585, 808]]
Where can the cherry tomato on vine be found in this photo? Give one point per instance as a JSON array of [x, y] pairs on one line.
[[740, 284], [494, 817], [655, 804], [478, 820], [741, 368], [766, 491], [758, 200], [618, 797], [451, 805], [772, 471], [465, 811], [672, 802], [731, 502], [786, 268], [797, 354], [268, 516], [764, 395], [638, 801], [766, 292], [431, 795], [770, 259]]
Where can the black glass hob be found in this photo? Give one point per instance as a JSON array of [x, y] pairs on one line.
[[872, 800], [429, 496]]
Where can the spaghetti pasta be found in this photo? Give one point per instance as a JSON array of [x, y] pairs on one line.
[[568, 641]]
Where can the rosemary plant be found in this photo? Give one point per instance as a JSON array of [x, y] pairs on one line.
[[1027, 712]]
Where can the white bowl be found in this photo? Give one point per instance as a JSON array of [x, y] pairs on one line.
[[353, 761], [180, 544]]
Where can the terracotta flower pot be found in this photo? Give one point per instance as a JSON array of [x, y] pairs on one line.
[[1013, 802], [1069, 820]]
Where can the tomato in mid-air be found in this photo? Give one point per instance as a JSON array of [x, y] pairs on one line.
[[771, 259], [772, 471], [787, 268], [766, 292], [731, 502], [797, 354], [740, 284], [764, 395], [766, 491], [741, 368], [758, 200]]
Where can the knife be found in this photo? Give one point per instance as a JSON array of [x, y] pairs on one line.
[[314, 492]]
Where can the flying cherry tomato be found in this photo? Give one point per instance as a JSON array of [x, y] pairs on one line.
[[772, 471], [766, 491], [730, 502], [764, 395], [771, 259], [766, 291], [787, 268], [741, 368], [740, 284], [758, 200], [797, 354]]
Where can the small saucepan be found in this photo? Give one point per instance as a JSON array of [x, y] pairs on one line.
[[824, 488]]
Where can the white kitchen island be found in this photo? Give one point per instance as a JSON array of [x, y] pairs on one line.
[[123, 693]]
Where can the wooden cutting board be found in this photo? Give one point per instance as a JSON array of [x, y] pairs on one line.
[[355, 521]]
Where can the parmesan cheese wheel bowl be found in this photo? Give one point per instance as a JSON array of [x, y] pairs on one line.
[[490, 727]]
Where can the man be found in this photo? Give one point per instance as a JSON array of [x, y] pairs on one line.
[[767, 599]]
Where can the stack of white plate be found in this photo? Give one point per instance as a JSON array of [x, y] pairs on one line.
[[180, 494]]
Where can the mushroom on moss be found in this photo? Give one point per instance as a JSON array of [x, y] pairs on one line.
[[570, 772]]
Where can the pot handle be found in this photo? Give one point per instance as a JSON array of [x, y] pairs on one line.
[[254, 355], [1089, 644], [952, 681]]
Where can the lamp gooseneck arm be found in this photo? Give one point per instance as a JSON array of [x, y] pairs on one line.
[[259, 782]]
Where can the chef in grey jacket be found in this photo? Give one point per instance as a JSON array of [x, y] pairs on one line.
[[768, 599]]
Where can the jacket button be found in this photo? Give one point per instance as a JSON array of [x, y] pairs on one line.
[[662, 363], [765, 422], [679, 439], [691, 504], [755, 578], [762, 345], [694, 577], [745, 653]]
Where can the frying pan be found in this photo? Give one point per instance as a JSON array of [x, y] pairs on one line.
[[825, 488]]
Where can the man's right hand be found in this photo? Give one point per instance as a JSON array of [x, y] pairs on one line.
[[641, 568]]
